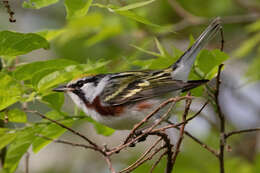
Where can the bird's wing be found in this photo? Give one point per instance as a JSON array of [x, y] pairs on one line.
[[132, 87]]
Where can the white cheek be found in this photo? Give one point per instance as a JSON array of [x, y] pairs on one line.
[[89, 90]]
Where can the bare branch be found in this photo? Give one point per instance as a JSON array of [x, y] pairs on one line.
[[69, 129], [109, 163], [178, 145], [139, 160], [171, 100], [68, 143], [27, 157], [241, 131], [221, 117]]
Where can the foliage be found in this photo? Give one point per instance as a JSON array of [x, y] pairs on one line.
[[98, 37]]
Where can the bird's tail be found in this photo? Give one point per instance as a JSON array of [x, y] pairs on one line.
[[181, 68]]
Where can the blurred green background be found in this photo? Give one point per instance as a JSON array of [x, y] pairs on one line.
[[130, 39]]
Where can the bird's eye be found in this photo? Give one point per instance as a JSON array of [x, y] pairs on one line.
[[80, 84]]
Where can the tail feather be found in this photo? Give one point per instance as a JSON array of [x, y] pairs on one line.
[[181, 68], [193, 84]]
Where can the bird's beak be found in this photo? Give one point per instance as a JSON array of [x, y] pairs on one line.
[[62, 88]]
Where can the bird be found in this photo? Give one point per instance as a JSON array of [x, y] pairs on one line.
[[121, 100]]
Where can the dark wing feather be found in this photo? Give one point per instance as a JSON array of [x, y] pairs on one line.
[[129, 87]]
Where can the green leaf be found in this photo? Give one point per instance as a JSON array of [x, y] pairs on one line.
[[247, 46], [18, 147], [55, 100], [14, 115], [161, 49], [10, 91], [100, 128], [66, 74], [52, 131], [36, 4], [77, 8], [134, 16], [51, 34], [6, 137], [14, 43], [27, 71], [208, 60], [134, 5], [146, 51], [253, 73], [254, 27], [105, 33]]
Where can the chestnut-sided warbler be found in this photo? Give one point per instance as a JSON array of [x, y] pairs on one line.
[[121, 100]]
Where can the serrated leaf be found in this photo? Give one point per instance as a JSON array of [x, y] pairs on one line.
[[6, 137], [66, 74], [134, 5], [14, 43], [27, 71], [52, 131], [55, 100], [134, 16], [14, 115], [36, 4], [77, 8], [10, 91], [18, 147]]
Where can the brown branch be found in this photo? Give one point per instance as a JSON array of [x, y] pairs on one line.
[[139, 160], [178, 145], [158, 161], [184, 13], [176, 99], [203, 145], [250, 7], [244, 18], [169, 147], [68, 143], [109, 163], [69, 129], [241, 131], [221, 117], [172, 125], [27, 157], [9, 11]]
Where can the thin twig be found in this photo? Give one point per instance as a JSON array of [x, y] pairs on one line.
[[138, 161], [158, 161], [203, 145], [184, 13], [9, 11], [68, 143], [27, 157], [109, 163], [241, 131], [68, 128], [172, 125], [220, 114], [176, 99], [178, 145]]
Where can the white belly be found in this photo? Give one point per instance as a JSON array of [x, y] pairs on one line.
[[130, 116]]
